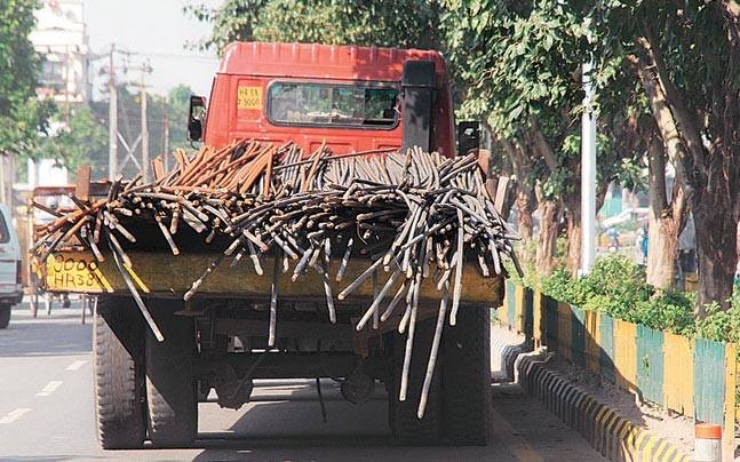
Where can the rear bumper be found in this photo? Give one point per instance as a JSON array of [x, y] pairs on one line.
[[11, 295], [164, 275]]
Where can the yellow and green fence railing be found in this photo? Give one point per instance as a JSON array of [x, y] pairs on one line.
[[693, 377]]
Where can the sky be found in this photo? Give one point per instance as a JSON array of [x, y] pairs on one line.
[[153, 30]]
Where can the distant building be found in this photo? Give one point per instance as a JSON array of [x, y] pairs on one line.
[[61, 39]]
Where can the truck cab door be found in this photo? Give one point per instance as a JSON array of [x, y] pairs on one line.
[[418, 87]]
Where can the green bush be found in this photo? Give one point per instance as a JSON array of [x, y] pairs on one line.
[[721, 326], [616, 286]]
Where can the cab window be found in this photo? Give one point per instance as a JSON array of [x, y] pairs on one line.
[[312, 104]]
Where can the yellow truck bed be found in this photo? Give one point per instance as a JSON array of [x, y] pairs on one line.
[[162, 275]]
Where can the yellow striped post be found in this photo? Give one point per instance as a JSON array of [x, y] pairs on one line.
[[565, 336], [737, 404], [625, 352], [518, 323], [730, 398], [678, 380], [592, 342], [538, 313], [503, 311]]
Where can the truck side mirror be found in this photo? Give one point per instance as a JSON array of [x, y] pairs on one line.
[[468, 137], [196, 116]]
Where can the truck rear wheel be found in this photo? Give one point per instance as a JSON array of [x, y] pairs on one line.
[[119, 374], [404, 423], [4, 315], [466, 379], [171, 388]]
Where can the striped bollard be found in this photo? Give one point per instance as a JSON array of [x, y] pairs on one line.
[[708, 443]]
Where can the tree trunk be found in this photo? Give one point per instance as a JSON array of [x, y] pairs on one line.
[[547, 242], [716, 232], [521, 162], [573, 218], [712, 172], [666, 220], [662, 250], [524, 208]]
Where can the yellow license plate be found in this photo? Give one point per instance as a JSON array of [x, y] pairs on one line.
[[75, 273]]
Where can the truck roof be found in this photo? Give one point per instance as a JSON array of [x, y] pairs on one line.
[[322, 61]]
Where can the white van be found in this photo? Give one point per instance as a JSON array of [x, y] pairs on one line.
[[11, 289]]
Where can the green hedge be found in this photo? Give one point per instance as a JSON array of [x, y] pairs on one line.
[[616, 286]]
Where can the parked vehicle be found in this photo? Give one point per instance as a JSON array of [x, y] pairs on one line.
[[11, 288]]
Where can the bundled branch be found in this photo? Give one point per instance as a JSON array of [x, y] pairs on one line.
[[407, 212]]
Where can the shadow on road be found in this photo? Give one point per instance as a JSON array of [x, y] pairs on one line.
[[279, 427]]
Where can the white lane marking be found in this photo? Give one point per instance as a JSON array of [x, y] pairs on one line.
[[15, 415], [50, 388], [76, 365]]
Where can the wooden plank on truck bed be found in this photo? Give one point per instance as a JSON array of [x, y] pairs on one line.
[[158, 169], [501, 190], [82, 191]]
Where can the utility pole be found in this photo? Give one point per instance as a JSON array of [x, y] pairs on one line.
[[144, 131], [588, 173], [116, 164], [112, 117], [67, 59], [166, 152]]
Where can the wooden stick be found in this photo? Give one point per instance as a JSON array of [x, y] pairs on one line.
[[433, 353], [274, 302], [377, 301], [458, 270]]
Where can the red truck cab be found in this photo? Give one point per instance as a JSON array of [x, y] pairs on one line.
[[351, 98]]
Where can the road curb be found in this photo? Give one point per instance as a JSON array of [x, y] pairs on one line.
[[613, 436], [508, 352]]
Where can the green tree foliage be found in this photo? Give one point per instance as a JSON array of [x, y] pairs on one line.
[[77, 139], [178, 104], [21, 132], [521, 67], [19, 118], [518, 62], [401, 23]]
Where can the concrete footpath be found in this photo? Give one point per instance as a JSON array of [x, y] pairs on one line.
[[613, 435]]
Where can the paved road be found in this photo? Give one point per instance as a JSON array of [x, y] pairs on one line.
[[46, 414]]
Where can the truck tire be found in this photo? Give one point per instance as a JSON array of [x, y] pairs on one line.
[[404, 423], [466, 379], [119, 374], [171, 389], [4, 315]]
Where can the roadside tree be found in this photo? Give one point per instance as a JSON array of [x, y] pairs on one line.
[[521, 64], [402, 23], [20, 117], [688, 62]]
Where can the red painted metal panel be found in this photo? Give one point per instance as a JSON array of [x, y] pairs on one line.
[[322, 61], [238, 103]]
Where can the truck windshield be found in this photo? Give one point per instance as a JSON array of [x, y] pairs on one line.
[[332, 105]]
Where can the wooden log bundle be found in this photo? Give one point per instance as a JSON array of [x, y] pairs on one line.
[[408, 212]]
